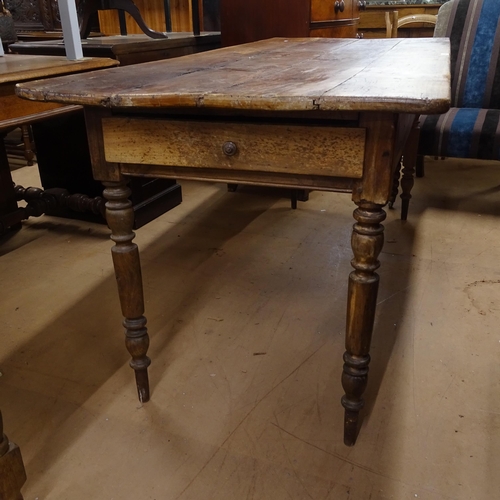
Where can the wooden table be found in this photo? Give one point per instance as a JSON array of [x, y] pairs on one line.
[[130, 49], [54, 125], [313, 113], [15, 112]]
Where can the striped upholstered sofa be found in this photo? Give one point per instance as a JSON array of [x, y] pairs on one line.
[[471, 128]]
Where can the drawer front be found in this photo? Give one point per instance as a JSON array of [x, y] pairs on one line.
[[331, 10], [342, 31], [288, 149]]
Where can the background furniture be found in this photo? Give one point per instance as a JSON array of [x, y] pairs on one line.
[[130, 49], [155, 196], [248, 118], [372, 20], [154, 13], [39, 19], [15, 112], [243, 21], [393, 22], [62, 151], [471, 128]]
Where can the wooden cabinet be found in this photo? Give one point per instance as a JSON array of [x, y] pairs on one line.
[[247, 21]]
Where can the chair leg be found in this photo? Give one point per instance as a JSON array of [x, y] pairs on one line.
[[395, 185], [406, 187], [28, 145], [419, 170], [303, 194], [409, 161]]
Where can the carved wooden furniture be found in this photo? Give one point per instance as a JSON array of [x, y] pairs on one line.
[[243, 21], [309, 113], [15, 112], [34, 15], [393, 22]]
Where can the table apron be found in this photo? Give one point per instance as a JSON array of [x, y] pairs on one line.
[[14, 110], [269, 148]]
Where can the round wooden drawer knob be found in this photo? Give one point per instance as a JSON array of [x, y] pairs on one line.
[[229, 148]]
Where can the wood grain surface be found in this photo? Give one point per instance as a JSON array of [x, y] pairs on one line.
[[293, 149], [394, 75], [20, 67]]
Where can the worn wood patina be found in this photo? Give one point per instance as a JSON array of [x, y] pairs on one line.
[[311, 113]]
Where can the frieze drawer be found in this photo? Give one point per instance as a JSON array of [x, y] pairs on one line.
[[280, 148]]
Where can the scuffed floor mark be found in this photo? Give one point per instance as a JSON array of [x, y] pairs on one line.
[[484, 296]]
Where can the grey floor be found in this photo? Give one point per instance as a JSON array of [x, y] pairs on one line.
[[245, 301]]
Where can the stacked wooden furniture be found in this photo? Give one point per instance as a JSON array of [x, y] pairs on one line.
[[243, 21]]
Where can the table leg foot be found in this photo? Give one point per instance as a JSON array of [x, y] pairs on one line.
[[351, 419], [120, 218], [137, 343], [367, 241]]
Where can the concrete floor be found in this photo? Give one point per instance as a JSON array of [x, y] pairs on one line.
[[230, 275]]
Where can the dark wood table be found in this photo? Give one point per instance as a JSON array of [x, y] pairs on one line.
[[130, 49], [312, 113]]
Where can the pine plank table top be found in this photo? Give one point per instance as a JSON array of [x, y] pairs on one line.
[[400, 75], [313, 113]]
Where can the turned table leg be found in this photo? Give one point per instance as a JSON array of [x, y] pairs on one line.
[[12, 473], [367, 241], [120, 218]]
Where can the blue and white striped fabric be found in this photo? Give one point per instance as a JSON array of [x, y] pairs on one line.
[[471, 129]]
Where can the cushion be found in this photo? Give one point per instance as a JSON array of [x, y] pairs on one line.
[[474, 30], [461, 133]]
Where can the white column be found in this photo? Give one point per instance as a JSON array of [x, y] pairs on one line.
[[71, 30]]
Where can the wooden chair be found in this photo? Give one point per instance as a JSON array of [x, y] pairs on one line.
[[393, 21], [471, 128]]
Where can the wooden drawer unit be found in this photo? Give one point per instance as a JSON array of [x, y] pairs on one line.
[[243, 21], [239, 146], [331, 10]]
